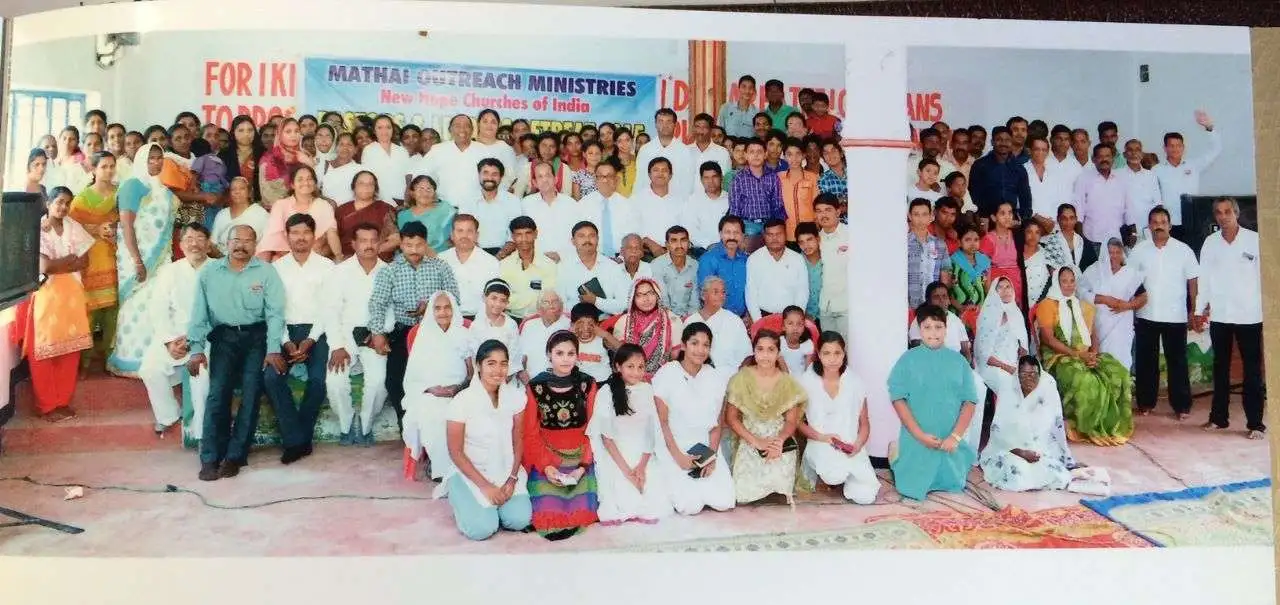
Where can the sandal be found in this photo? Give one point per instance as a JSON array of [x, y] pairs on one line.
[[1211, 427]]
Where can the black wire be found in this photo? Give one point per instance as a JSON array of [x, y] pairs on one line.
[[173, 489], [1162, 467]]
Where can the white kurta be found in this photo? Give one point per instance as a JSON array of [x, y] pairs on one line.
[[351, 288], [437, 359], [1031, 422], [839, 416], [486, 439], [173, 293], [694, 404], [635, 435], [730, 344]]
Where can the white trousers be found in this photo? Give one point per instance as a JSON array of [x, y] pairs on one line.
[[338, 390], [160, 380]]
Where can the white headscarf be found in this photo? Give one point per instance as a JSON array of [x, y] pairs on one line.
[[997, 322], [1070, 322], [140, 172], [439, 356]]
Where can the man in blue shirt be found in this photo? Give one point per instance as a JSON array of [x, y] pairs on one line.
[[728, 261], [239, 309], [998, 177]]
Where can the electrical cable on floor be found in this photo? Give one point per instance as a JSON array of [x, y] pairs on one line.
[[1162, 467], [173, 489]]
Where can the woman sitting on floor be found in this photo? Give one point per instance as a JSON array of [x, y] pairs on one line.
[[557, 453], [487, 487], [764, 408], [836, 424], [932, 389], [622, 432], [689, 397], [1028, 445], [1096, 389], [439, 366]]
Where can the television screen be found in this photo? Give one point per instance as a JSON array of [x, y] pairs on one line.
[[19, 246]]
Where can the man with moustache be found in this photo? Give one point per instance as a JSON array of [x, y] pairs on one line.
[[1231, 293], [1144, 188], [493, 209], [1179, 176], [403, 288], [1169, 271], [944, 136], [1080, 145], [930, 149], [452, 164], [238, 308], [727, 260], [307, 278], [679, 157], [1101, 197], [350, 340], [473, 267], [1109, 133], [1019, 130], [977, 140], [1060, 157], [958, 152], [172, 290], [998, 177]]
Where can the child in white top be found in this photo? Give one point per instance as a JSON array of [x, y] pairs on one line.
[[593, 341], [797, 349], [494, 323]]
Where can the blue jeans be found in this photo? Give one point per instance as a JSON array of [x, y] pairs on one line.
[[298, 420], [477, 522], [235, 361]]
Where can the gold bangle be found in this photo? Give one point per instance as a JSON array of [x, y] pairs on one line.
[[956, 437]]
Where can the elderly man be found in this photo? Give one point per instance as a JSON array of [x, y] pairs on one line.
[[172, 290], [238, 308], [730, 344], [350, 340], [535, 332]]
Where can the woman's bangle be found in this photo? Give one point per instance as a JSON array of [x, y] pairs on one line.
[[956, 437]]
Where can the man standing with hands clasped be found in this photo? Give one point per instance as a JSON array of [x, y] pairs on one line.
[[239, 310], [1169, 269], [1231, 303]]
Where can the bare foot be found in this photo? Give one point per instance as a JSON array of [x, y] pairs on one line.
[[1257, 435], [1180, 416], [60, 414]]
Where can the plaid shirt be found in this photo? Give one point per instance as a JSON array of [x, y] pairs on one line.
[[756, 198], [916, 278], [401, 287], [836, 185]]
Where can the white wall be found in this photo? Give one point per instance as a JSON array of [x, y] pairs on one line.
[[65, 65]]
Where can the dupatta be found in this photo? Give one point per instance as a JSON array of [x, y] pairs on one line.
[[998, 322], [650, 330]]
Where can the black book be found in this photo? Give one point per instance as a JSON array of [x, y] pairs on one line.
[[703, 456]]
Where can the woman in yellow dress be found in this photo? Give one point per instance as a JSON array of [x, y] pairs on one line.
[[764, 408], [95, 209]]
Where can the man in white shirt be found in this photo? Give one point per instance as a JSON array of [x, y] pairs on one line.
[[305, 275], [1049, 186], [777, 276], [1169, 269], [667, 145], [1102, 197], [472, 266], [633, 265], [1144, 187], [658, 206], [350, 353], [493, 208], [702, 213], [1061, 158], [833, 239], [535, 332], [453, 164], [1179, 176], [616, 216], [930, 148], [703, 150], [553, 212], [1231, 294], [173, 290], [730, 344], [387, 161], [580, 273]]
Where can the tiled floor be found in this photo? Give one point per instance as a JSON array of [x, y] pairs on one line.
[[386, 515]]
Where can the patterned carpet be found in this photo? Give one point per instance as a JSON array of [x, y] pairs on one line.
[[887, 534], [1236, 514], [1012, 527]]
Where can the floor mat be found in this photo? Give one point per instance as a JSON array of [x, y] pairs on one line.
[[1236, 514], [1012, 527], [886, 534]]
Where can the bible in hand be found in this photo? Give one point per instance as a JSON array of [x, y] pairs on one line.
[[702, 456], [593, 286]]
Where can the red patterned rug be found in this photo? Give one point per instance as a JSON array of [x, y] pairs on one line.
[[1012, 527]]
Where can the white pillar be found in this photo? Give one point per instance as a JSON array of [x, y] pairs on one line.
[[876, 78]]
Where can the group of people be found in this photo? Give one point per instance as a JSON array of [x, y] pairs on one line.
[[491, 288]]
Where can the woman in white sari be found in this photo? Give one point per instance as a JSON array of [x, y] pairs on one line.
[[835, 424], [1028, 447], [1112, 287], [689, 396], [1002, 337], [439, 367]]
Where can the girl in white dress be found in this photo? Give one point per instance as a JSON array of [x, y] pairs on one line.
[[439, 367], [797, 349], [689, 397], [1028, 447], [836, 425], [623, 433]]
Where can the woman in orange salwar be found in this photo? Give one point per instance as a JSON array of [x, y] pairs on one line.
[[95, 209], [55, 322]]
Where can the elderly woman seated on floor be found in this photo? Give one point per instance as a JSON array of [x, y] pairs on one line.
[[1028, 448]]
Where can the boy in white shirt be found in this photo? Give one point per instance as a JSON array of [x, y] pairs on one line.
[[494, 323], [594, 342]]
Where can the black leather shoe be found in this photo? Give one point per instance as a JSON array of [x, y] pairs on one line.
[[291, 455], [208, 472], [229, 469]]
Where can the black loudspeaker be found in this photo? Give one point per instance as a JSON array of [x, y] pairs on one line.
[[1197, 217], [20, 215]]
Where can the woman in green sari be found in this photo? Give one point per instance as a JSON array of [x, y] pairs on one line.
[[147, 211], [1095, 387], [95, 209]]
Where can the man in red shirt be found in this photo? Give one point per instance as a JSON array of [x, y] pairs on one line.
[[945, 211], [820, 122]]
